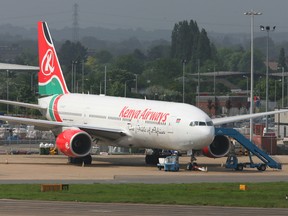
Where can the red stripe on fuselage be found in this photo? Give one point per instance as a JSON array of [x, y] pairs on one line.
[[55, 109]]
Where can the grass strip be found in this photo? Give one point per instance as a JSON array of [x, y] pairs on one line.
[[272, 195]]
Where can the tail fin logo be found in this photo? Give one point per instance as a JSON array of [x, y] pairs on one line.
[[47, 64]]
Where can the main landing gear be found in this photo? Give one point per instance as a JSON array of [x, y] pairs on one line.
[[153, 155], [193, 165], [86, 160]]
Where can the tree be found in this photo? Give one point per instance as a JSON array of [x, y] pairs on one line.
[[216, 105], [189, 43], [282, 59], [104, 57], [210, 105], [159, 51], [163, 72], [228, 106], [26, 58], [204, 47], [71, 52], [245, 63], [129, 63]]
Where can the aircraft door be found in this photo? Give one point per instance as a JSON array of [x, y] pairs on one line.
[[170, 126], [85, 115]]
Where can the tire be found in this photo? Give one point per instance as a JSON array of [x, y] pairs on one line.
[[87, 159], [189, 166], [240, 167], [262, 167], [73, 160], [151, 159]]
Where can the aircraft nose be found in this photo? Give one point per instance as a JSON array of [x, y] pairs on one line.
[[209, 133]]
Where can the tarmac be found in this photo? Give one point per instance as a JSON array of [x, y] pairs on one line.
[[127, 169], [117, 169]]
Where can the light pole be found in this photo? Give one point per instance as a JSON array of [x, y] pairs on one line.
[[82, 85], [183, 79], [214, 82], [105, 80], [136, 83], [283, 87], [285, 75], [7, 88], [252, 13], [198, 86], [246, 85], [267, 29], [125, 86]]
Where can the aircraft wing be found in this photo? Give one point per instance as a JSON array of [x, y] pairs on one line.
[[224, 120], [106, 133]]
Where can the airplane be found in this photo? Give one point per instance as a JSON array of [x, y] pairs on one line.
[[77, 120]]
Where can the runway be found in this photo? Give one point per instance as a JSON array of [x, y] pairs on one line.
[[45, 208]]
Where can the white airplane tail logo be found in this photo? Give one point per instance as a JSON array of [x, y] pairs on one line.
[[47, 64]]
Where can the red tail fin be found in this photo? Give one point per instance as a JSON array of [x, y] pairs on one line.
[[50, 77]]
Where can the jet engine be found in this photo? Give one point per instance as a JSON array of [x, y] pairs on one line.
[[74, 143], [218, 148]]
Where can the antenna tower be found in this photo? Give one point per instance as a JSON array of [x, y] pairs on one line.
[[75, 23]]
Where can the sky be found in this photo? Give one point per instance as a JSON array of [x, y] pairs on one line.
[[221, 16]]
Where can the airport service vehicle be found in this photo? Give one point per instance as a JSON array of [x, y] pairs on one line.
[[232, 160], [171, 163], [79, 119], [233, 163]]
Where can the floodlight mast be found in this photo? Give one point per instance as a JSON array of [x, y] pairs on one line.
[[267, 29], [252, 13]]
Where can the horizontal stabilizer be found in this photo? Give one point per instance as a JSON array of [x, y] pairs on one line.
[[20, 104]]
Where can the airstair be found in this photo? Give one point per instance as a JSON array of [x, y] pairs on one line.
[[232, 162]]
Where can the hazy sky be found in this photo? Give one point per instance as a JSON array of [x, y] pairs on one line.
[[213, 15]]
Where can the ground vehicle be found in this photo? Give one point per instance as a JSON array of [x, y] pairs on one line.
[[170, 163], [232, 162]]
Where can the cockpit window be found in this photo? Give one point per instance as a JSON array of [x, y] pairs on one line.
[[193, 123], [201, 123], [209, 123]]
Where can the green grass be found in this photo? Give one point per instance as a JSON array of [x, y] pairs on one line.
[[213, 194]]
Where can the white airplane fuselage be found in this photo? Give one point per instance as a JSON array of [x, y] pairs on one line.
[[148, 123]]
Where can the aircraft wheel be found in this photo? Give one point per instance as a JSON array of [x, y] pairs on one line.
[[262, 167], [87, 160], [240, 167], [189, 166], [73, 160], [151, 159]]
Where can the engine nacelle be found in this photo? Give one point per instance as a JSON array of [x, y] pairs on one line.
[[218, 148], [74, 143]]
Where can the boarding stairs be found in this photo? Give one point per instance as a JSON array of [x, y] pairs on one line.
[[247, 144]]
